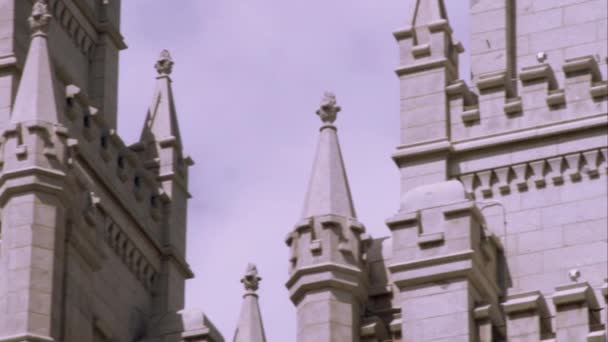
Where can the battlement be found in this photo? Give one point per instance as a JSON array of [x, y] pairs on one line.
[[118, 166], [103, 169], [572, 313], [327, 242], [497, 109]]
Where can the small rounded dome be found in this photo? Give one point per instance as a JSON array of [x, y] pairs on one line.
[[433, 195]]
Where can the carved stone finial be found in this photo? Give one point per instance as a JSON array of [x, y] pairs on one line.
[[164, 64], [251, 280], [328, 111], [40, 18]]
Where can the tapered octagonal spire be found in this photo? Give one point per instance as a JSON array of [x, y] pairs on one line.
[[35, 100], [328, 189]]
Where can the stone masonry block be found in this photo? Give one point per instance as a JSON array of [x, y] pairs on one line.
[[540, 21], [574, 256], [563, 37], [585, 12], [484, 42], [489, 20]]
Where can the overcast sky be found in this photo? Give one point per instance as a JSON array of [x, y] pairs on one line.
[[248, 78]]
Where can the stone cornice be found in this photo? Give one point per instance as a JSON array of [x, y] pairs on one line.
[[327, 275], [427, 147], [402, 218], [10, 61], [426, 262], [427, 65], [464, 264], [32, 179], [575, 293], [532, 301], [182, 264], [566, 126]]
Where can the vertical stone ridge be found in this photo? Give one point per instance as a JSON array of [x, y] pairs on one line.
[[35, 99], [250, 327]]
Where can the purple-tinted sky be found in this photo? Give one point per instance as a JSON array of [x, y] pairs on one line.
[[248, 77]]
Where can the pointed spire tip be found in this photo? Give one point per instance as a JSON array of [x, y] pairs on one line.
[[328, 110], [164, 64]]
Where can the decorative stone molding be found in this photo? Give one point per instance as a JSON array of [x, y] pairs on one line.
[[40, 19], [307, 237], [575, 293], [81, 37], [130, 255], [577, 313], [537, 173], [463, 102], [328, 110], [587, 65], [164, 64], [495, 81], [475, 122], [531, 308]]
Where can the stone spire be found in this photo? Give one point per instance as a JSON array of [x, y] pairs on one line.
[[161, 122], [425, 12], [328, 190], [160, 145], [35, 100], [250, 327]]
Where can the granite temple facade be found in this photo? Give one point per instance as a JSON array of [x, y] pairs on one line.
[[501, 233]]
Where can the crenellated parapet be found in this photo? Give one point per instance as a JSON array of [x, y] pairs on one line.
[[324, 247], [570, 313], [541, 99], [527, 316], [95, 150], [94, 146], [443, 252]]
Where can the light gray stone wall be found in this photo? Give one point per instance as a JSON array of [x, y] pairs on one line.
[[528, 140]]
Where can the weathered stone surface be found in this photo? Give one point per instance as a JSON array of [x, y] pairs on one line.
[[516, 248]]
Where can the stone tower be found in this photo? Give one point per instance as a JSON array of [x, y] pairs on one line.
[[501, 233], [92, 231], [328, 277]]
